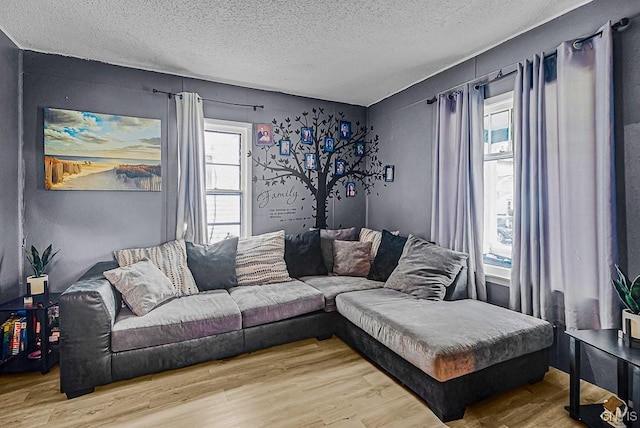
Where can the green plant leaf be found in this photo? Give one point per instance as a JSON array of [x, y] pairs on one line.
[[45, 256], [624, 292]]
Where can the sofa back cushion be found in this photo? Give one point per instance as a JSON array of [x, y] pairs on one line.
[[142, 284], [425, 270], [213, 266], [351, 258], [387, 256], [260, 260], [170, 258], [303, 254]]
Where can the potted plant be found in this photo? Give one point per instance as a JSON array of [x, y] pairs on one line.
[[37, 283], [630, 295]]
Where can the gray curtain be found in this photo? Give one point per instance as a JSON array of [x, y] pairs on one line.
[[192, 209], [565, 234], [457, 209]]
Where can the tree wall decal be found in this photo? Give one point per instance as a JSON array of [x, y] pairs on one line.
[[323, 184]]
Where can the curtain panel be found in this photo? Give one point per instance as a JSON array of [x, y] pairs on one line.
[[457, 208], [191, 222]]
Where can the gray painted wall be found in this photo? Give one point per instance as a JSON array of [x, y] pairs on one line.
[[88, 225], [10, 250], [406, 124]]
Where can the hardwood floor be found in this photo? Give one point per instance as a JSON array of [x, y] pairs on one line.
[[302, 384]]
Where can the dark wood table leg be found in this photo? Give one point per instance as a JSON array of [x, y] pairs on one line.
[[44, 340], [574, 378]]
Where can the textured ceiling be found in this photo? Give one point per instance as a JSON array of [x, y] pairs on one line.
[[357, 51]]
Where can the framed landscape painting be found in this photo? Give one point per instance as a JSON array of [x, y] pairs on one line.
[[93, 151]]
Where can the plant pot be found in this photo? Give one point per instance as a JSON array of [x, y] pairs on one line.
[[635, 323], [37, 284]]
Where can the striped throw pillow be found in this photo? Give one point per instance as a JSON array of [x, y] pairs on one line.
[[170, 258], [260, 260]]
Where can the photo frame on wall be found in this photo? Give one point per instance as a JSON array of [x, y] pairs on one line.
[[310, 161], [285, 147], [306, 135], [344, 130], [96, 151], [329, 144], [340, 167], [360, 150], [264, 137], [351, 189], [389, 173]]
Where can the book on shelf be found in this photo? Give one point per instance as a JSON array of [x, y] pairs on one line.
[[14, 336]]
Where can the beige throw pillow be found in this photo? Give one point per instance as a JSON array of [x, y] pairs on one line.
[[143, 286], [170, 258], [260, 260], [351, 258]]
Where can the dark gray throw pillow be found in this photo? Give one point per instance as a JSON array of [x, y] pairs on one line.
[[213, 266], [425, 270], [387, 256], [303, 254], [327, 236]]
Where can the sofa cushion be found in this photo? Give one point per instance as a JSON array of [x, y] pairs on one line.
[[213, 266], [351, 258], [185, 318], [331, 286], [170, 258], [327, 236], [444, 339], [262, 304], [260, 259], [303, 254], [387, 257], [425, 270], [143, 286]]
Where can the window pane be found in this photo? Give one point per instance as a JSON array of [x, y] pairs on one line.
[[223, 177], [223, 209], [221, 147], [498, 133], [498, 212], [219, 232]]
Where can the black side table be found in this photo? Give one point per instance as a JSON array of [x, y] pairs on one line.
[[38, 310], [606, 341]]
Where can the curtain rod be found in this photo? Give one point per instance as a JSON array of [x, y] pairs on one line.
[[618, 26], [172, 94]]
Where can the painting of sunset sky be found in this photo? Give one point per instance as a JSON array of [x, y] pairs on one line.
[[93, 151]]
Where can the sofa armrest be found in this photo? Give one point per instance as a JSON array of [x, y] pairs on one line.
[[88, 310]]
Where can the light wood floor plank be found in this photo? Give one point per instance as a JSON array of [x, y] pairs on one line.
[[303, 384]]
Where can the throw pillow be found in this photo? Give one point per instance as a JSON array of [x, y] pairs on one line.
[[425, 270], [213, 266], [386, 259], [303, 254], [143, 286], [327, 236], [373, 236], [351, 258], [260, 260], [170, 258]]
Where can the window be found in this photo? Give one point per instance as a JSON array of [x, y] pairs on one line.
[[228, 179], [498, 185]]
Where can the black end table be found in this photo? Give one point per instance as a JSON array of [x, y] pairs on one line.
[[38, 310], [606, 341]]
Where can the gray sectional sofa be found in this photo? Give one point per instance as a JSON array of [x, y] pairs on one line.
[[451, 353]]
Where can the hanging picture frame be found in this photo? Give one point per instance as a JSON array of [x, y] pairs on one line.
[[344, 130], [285, 147], [264, 137], [310, 161], [340, 167], [351, 189], [329, 144], [306, 135], [360, 150], [389, 173]]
